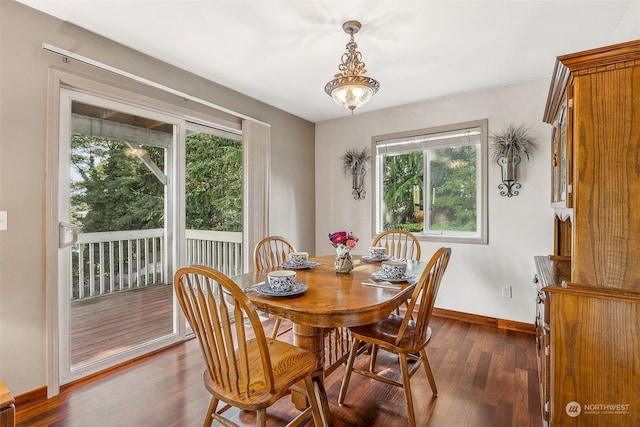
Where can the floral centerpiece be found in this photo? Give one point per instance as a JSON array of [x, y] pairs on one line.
[[343, 242]]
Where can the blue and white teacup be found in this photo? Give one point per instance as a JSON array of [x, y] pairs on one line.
[[376, 252], [298, 258], [394, 269], [282, 280]]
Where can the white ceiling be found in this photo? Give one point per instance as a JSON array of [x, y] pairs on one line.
[[282, 52]]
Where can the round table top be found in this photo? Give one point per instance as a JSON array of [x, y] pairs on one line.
[[333, 299]]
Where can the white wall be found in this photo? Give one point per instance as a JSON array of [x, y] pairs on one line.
[[629, 27], [519, 227]]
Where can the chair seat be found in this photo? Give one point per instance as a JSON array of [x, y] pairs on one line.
[[290, 364], [385, 332]]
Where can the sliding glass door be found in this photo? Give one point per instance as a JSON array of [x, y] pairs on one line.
[[116, 251]]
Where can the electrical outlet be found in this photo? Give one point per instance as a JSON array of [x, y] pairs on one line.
[[3, 220], [506, 291]]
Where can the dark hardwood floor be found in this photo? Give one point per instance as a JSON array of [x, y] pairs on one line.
[[486, 377]]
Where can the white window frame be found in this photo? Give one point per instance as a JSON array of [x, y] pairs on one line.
[[425, 140]]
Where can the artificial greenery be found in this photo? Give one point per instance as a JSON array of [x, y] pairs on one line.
[[513, 140], [354, 160]]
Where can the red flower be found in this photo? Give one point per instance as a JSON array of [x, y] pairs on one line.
[[343, 238]]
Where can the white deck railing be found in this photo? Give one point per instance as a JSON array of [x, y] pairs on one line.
[[113, 261]]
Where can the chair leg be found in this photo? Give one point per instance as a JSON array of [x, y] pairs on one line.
[[276, 328], [261, 418], [427, 369], [318, 401], [372, 358], [406, 382], [355, 343], [208, 420]]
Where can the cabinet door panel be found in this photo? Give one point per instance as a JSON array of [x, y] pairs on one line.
[[607, 189], [594, 346], [561, 153]]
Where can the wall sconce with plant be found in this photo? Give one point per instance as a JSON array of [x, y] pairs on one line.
[[508, 149], [356, 162]]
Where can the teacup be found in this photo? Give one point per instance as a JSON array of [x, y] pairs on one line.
[[394, 269], [282, 280], [298, 258], [376, 252]]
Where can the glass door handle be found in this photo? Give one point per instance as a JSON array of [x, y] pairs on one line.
[[63, 227]]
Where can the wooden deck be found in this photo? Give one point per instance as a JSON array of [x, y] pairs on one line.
[[106, 325]]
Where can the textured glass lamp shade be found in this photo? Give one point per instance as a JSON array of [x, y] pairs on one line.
[[350, 89], [352, 92]]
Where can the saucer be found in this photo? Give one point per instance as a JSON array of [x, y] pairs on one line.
[[379, 275], [376, 259], [298, 289], [308, 264]]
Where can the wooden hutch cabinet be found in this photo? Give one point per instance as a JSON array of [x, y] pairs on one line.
[[588, 307]]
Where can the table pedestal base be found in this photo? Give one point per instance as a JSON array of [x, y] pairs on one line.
[[310, 338]]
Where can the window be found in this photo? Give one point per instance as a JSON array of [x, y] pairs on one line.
[[432, 182]]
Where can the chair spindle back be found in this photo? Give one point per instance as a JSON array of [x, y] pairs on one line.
[[424, 295], [271, 251], [216, 309], [399, 244]]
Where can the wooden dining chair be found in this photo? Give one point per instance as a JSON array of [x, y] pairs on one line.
[[271, 252], [405, 336], [399, 244], [249, 373]]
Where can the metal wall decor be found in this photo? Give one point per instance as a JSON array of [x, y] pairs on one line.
[[508, 149], [356, 162], [358, 192], [509, 167]]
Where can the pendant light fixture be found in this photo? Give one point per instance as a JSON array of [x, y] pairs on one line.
[[350, 89]]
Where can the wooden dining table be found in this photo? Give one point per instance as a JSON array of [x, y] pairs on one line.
[[332, 300]]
